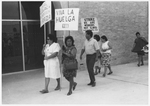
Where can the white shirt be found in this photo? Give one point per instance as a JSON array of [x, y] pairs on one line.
[[105, 46], [91, 46]]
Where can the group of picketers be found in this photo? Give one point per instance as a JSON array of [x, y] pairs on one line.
[[98, 53]]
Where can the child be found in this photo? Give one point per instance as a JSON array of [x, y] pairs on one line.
[[98, 62], [139, 43]]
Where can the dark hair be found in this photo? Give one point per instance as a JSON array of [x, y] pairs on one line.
[[104, 37], [52, 37], [69, 37], [137, 33], [97, 37], [89, 32]]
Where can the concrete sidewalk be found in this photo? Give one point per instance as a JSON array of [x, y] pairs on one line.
[[127, 85]]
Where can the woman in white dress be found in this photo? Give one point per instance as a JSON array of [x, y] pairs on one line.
[[51, 62]]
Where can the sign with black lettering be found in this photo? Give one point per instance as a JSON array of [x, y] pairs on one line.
[[45, 13], [66, 19], [89, 24]]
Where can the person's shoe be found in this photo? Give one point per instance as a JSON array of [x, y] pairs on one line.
[[74, 86], [93, 84], [99, 70], [110, 73], [44, 91], [104, 75], [89, 83], [69, 93], [96, 73], [138, 65], [57, 88], [142, 64]]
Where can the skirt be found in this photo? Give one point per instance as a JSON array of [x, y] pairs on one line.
[[106, 58], [140, 53], [52, 68], [68, 73]]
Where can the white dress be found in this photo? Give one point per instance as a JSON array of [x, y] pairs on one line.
[[52, 66]]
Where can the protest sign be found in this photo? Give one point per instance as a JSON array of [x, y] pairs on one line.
[[89, 24], [66, 19], [45, 13]]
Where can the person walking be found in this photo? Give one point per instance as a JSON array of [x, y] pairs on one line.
[[106, 55], [51, 62], [97, 65], [139, 44], [69, 52], [91, 48]]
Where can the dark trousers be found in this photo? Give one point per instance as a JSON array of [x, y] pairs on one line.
[[90, 61]]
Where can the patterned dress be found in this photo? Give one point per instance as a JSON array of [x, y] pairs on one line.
[[106, 59], [68, 73], [106, 56]]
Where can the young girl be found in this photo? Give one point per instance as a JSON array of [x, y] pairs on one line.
[[139, 43], [97, 64]]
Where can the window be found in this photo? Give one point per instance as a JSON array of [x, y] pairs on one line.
[[32, 36], [33, 44], [11, 47], [10, 10], [30, 10]]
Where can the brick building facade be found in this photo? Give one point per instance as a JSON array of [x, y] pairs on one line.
[[119, 21], [23, 38]]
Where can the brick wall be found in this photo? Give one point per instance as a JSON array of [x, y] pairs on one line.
[[119, 21]]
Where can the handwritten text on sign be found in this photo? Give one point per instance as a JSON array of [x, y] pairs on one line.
[[90, 24], [66, 19], [45, 12]]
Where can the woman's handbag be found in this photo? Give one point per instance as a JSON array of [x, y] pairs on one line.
[[71, 64]]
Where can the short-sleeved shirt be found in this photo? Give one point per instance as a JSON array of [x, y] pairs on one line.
[[51, 49], [91, 46]]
